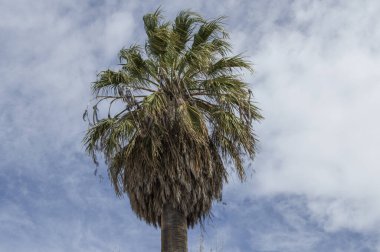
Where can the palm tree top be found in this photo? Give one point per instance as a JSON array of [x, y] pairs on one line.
[[183, 112]]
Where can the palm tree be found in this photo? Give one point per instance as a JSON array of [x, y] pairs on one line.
[[183, 113]]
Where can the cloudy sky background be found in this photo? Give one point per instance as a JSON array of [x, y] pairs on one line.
[[315, 184]]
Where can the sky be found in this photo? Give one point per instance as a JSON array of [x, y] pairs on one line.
[[313, 185]]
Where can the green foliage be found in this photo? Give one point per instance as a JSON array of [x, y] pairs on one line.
[[185, 111]]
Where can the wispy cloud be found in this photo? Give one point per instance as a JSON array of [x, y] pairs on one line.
[[320, 90]]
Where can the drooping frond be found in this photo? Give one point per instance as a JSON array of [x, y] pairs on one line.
[[183, 28], [183, 112], [158, 34], [208, 31]]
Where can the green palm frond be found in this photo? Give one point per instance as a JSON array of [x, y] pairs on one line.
[[208, 31], [227, 65], [183, 28]]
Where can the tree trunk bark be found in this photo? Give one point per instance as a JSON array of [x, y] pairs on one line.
[[173, 230]]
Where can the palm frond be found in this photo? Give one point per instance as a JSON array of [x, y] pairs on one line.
[[183, 27], [209, 30]]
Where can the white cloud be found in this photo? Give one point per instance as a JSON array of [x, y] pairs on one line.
[[319, 89], [50, 62]]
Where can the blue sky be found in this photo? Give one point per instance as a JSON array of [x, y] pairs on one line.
[[314, 184]]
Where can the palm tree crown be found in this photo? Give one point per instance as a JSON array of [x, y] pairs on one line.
[[184, 111]]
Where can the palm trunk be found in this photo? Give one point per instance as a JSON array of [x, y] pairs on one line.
[[173, 230]]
